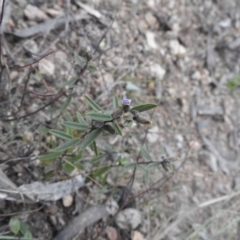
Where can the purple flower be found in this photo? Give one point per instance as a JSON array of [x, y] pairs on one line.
[[126, 101]]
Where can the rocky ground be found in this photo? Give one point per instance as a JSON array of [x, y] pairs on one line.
[[183, 56]]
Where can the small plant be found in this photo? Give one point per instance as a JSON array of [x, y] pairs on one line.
[[233, 84], [19, 229], [80, 133]]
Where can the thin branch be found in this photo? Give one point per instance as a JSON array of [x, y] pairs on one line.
[[59, 95], [24, 91], [30, 64]]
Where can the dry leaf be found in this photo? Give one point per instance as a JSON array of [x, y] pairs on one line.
[[34, 13], [136, 235]]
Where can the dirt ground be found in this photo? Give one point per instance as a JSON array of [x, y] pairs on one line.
[[182, 55]]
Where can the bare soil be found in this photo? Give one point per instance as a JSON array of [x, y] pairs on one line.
[[182, 55]]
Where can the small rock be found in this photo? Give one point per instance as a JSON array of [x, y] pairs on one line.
[[142, 24], [128, 219], [111, 233], [151, 3], [150, 19], [176, 48], [28, 135], [153, 134], [132, 87], [176, 27], [14, 74], [117, 61], [53, 12], [211, 110], [112, 207], [136, 235], [52, 209], [225, 23], [34, 13], [195, 145], [46, 67], [67, 200], [157, 70], [53, 220], [108, 78], [180, 141], [150, 36], [196, 75], [30, 46]]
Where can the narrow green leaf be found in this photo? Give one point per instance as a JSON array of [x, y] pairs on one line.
[[103, 179], [92, 104], [141, 168], [100, 171], [129, 165], [115, 102], [92, 68], [75, 125], [146, 177], [48, 175], [145, 153], [76, 158], [81, 119], [144, 107], [44, 130], [97, 173], [79, 58], [99, 116], [90, 138], [96, 160], [67, 102], [153, 165], [60, 134], [67, 145], [14, 225], [117, 128], [50, 156], [163, 151], [71, 81], [79, 166], [68, 118], [94, 148]]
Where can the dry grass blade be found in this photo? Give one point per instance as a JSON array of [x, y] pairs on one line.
[[48, 25], [7, 184]]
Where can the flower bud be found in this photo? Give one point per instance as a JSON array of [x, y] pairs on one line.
[[117, 113], [141, 120], [109, 128], [126, 108], [166, 164], [126, 101], [126, 104], [134, 112]]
